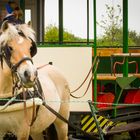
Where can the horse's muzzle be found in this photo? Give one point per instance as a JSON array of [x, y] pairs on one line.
[[28, 78], [27, 74]]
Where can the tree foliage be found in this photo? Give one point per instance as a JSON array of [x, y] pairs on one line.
[[111, 24], [113, 31], [135, 37], [52, 32]]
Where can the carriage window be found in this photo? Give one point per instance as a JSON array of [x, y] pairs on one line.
[[109, 19], [75, 18], [133, 22], [27, 15], [51, 21]]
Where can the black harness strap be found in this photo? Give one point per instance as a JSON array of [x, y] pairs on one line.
[[1, 55], [69, 123], [19, 98], [14, 67]]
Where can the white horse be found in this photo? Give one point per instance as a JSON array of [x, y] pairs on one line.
[[17, 47]]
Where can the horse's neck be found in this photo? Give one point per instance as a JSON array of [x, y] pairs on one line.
[[5, 81]]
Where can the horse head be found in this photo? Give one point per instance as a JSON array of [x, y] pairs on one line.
[[17, 47]]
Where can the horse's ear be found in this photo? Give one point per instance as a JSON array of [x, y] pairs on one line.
[[4, 26], [29, 23]]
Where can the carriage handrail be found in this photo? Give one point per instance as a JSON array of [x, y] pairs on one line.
[[126, 55]]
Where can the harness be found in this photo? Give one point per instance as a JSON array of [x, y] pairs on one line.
[[19, 98], [20, 92]]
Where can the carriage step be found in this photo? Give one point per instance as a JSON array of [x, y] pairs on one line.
[[125, 128]]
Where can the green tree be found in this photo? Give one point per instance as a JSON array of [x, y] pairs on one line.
[[51, 35], [111, 24], [113, 31], [135, 37]]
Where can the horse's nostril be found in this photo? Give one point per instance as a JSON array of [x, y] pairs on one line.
[[27, 74]]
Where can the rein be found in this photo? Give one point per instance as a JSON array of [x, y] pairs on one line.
[[25, 110], [68, 122], [95, 66]]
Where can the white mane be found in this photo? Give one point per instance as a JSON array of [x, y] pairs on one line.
[[13, 30]]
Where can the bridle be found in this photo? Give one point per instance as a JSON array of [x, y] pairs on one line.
[[5, 55]]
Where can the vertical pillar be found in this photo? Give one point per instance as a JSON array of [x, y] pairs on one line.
[[95, 51], [125, 36], [60, 21], [22, 6], [40, 20], [87, 22]]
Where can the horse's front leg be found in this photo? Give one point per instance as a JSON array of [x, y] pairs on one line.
[[23, 133], [37, 136], [62, 130], [2, 134]]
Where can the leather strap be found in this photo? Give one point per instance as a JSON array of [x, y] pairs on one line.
[[25, 110]]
